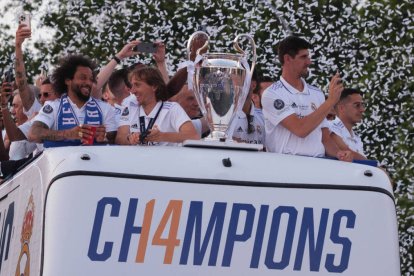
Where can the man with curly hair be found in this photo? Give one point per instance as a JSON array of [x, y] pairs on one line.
[[73, 118]]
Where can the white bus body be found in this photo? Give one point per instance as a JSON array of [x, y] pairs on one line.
[[118, 210]]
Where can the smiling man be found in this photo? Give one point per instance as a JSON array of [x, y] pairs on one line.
[[295, 111], [68, 120]]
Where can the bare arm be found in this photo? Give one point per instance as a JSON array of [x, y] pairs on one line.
[[122, 136], [13, 132], [4, 155], [25, 94], [342, 146], [159, 57], [332, 149], [186, 132], [303, 126], [41, 131], [107, 70]]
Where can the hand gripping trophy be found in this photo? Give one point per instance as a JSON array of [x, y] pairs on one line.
[[220, 82]]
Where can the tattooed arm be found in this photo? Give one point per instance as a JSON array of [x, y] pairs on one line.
[[26, 95], [40, 131]]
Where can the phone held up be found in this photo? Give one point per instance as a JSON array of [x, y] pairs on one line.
[[24, 18], [145, 47]]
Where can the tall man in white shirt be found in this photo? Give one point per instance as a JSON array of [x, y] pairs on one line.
[[67, 121], [295, 112], [349, 112]]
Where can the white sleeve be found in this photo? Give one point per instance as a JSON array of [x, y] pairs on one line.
[[197, 125], [124, 119], [48, 113], [276, 106], [178, 116], [36, 106], [109, 119]]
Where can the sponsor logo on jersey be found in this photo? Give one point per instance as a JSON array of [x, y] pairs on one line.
[[240, 129], [294, 105], [125, 112], [279, 104], [47, 109]]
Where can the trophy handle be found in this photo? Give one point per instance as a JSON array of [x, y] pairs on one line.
[[240, 50], [190, 41]]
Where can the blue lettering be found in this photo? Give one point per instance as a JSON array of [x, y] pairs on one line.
[[335, 238], [274, 230], [194, 221], [307, 230], [129, 229], [232, 235], [96, 229], [6, 234], [258, 241]]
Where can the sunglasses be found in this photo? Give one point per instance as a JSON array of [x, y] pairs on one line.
[[45, 95]]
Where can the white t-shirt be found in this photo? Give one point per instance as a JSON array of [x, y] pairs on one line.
[[36, 106], [21, 149], [171, 117], [25, 128], [281, 100], [239, 127], [49, 113], [352, 140]]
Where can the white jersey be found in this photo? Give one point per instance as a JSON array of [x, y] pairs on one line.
[[34, 109], [281, 100], [198, 125], [352, 140], [118, 108], [49, 113], [239, 127], [171, 117]]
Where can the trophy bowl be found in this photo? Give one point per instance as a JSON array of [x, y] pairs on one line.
[[220, 87]]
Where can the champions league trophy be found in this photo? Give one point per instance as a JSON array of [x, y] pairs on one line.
[[221, 83]]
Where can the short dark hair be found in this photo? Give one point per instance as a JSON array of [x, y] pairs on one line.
[[116, 79], [349, 91], [291, 45], [46, 81], [153, 77], [67, 69]]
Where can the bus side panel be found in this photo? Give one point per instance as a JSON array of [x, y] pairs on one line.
[[21, 211], [109, 226]]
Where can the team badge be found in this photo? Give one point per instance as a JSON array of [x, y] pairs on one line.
[[125, 112], [47, 109], [279, 104], [313, 106]]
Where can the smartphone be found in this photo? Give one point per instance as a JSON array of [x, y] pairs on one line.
[[8, 76], [145, 47], [24, 18]]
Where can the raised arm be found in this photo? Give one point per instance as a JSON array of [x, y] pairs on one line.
[[159, 57], [303, 126], [107, 70], [21, 80]]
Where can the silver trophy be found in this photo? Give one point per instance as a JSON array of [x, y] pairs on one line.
[[220, 84]]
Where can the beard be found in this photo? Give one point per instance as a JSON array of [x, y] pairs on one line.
[[304, 73], [79, 94]]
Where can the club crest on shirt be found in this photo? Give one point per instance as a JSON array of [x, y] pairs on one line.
[[125, 112], [279, 104], [47, 109], [313, 106]]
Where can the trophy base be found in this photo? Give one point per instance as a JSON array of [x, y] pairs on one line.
[[214, 144]]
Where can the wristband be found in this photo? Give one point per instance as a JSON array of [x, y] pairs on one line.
[[116, 59]]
